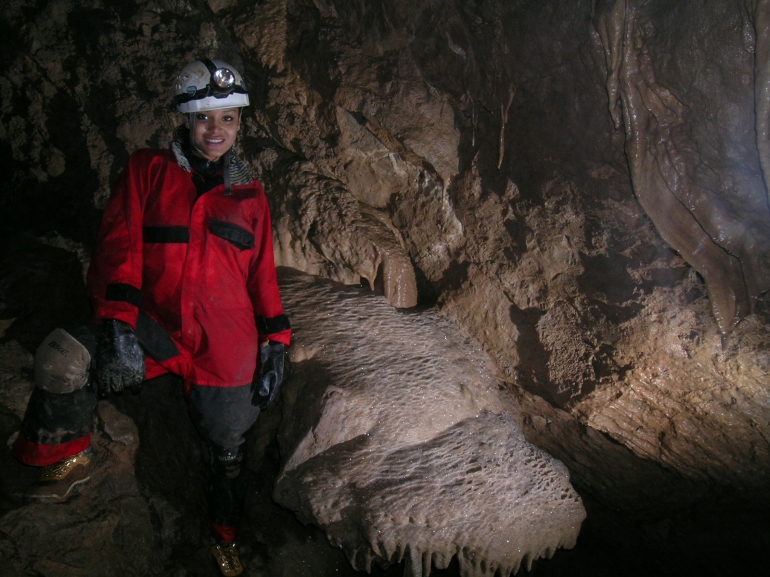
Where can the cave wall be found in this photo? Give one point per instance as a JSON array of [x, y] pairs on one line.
[[578, 185], [690, 137], [527, 217], [84, 85]]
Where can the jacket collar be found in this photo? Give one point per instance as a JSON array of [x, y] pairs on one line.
[[239, 172]]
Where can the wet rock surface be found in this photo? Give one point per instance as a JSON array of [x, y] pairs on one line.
[[533, 163], [399, 444], [706, 205]]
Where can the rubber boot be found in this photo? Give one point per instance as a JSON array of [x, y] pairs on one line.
[[61, 480], [226, 557]]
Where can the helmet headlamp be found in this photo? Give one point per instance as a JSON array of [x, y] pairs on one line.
[[223, 79], [207, 84]]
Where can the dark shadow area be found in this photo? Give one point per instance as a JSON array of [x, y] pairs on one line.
[[41, 287], [533, 365], [169, 463]]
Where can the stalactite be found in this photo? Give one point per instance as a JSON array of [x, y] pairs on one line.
[[762, 84], [503, 119]]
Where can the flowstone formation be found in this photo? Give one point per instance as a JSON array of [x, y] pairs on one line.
[[339, 237], [706, 203], [395, 449]]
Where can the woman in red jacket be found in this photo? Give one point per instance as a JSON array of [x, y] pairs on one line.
[[183, 281]]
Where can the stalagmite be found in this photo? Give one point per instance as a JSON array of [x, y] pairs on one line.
[[400, 445]]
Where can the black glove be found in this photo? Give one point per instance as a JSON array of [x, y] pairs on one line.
[[119, 359], [270, 374]]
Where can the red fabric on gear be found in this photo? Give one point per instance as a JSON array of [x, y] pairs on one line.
[[36, 455], [223, 533], [206, 293], [153, 369]]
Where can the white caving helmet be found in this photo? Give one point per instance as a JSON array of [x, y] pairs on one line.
[[209, 85]]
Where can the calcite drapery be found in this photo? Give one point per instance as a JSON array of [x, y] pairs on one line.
[[723, 240]]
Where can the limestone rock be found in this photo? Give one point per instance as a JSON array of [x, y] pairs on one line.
[[324, 230], [398, 454], [15, 389], [716, 219]]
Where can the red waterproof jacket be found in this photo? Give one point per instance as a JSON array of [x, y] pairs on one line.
[[201, 269]]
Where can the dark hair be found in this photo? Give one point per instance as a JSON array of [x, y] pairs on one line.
[[182, 135]]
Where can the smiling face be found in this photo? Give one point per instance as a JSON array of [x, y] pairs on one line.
[[215, 131]]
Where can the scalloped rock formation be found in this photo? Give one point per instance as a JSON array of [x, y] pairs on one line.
[[398, 453]]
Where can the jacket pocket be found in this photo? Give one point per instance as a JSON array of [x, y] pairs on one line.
[[239, 237]]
